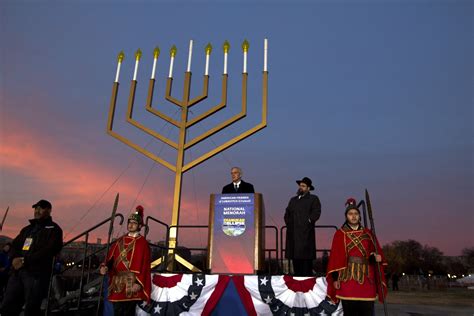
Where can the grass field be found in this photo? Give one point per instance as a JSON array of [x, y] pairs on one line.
[[448, 297]]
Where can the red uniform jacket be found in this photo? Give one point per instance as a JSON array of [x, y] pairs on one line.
[[129, 254], [357, 272]]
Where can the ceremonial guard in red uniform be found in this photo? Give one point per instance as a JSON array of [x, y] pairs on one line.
[[352, 273], [128, 265]]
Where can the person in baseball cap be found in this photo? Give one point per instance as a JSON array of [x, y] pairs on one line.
[[32, 253]]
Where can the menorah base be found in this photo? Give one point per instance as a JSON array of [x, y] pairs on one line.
[[171, 259]]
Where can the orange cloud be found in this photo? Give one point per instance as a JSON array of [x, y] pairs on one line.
[[73, 183]]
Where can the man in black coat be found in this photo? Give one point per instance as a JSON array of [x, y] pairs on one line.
[[32, 255], [237, 185], [302, 212]]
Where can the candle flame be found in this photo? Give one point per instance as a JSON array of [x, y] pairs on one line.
[[208, 49], [156, 52], [245, 46], [120, 57], [226, 47], [138, 54], [173, 51]]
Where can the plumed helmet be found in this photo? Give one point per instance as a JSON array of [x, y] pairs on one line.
[[137, 215], [351, 204]]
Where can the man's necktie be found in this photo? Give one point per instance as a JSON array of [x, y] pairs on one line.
[[236, 187]]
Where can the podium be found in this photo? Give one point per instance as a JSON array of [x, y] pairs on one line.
[[236, 233]]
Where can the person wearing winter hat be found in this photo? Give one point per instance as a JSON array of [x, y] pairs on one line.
[[128, 266], [32, 253], [351, 269], [302, 212]]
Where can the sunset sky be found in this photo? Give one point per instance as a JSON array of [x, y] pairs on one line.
[[362, 94]]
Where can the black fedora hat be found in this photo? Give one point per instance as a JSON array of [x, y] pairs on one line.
[[306, 181]]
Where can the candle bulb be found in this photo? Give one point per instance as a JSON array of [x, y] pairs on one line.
[[173, 52], [156, 53], [226, 48], [190, 55], [265, 52], [120, 58], [245, 48], [208, 54], [138, 55]]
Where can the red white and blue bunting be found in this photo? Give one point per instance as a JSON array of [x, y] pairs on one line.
[[285, 295], [198, 294], [183, 294]]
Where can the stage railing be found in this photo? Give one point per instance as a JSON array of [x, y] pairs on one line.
[[283, 242], [268, 251], [167, 229], [271, 250], [84, 234]]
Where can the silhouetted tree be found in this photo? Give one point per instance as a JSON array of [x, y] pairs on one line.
[[455, 266], [432, 260], [468, 255], [410, 257]]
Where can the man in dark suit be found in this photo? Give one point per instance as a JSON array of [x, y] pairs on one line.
[[237, 185], [302, 212]]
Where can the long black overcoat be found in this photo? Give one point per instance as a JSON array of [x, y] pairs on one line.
[[300, 216]]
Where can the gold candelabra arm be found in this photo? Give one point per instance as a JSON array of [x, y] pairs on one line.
[[205, 89], [228, 122], [169, 85], [149, 108], [110, 123], [131, 101], [240, 137], [214, 109]]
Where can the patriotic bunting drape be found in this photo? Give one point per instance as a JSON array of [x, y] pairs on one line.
[[198, 294], [183, 294], [285, 295]]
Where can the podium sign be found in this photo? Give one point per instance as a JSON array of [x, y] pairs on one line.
[[236, 230]]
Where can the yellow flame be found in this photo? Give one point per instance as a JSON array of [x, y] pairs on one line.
[[208, 49], [173, 51], [226, 47], [138, 54], [120, 57], [245, 46], [156, 52]]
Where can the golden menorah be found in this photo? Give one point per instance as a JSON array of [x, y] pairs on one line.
[[180, 167]]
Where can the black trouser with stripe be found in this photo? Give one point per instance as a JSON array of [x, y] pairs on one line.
[[125, 308], [358, 308]]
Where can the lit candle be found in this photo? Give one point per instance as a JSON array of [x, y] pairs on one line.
[[138, 55], [208, 54], [245, 48], [173, 52], [226, 48], [120, 58], [265, 52], [156, 53], [190, 55]]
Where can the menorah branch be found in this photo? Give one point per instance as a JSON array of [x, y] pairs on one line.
[[149, 108], [169, 84], [205, 89], [240, 137], [214, 109], [141, 150], [131, 101], [226, 123], [110, 123]]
